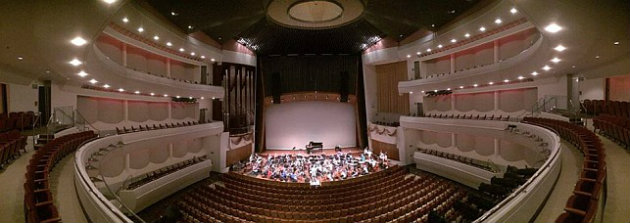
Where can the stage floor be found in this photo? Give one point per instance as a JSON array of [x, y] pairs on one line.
[[351, 150]]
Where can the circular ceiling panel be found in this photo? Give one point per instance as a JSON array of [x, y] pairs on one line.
[[314, 14]]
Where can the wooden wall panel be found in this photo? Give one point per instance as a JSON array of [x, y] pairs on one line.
[[238, 154], [387, 78], [390, 149]]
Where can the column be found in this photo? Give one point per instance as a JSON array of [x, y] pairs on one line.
[[452, 63], [170, 110], [453, 102], [496, 51], [496, 147], [168, 67], [124, 54], [126, 107], [127, 160], [496, 101], [453, 140]]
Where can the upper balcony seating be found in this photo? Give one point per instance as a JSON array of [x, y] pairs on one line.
[[614, 108], [11, 143], [38, 200], [615, 127], [462, 159], [386, 196], [470, 116], [582, 205], [390, 124], [141, 128], [17, 120], [157, 174], [171, 78]]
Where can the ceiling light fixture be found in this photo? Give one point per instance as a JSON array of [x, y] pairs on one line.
[[555, 60], [174, 13], [20, 58], [181, 49], [453, 40], [475, 85], [521, 77], [429, 50], [467, 35], [125, 20], [421, 91], [177, 96], [75, 62], [152, 94], [553, 28], [202, 98], [534, 73], [121, 90], [140, 29], [165, 95], [435, 90], [408, 56], [82, 74], [461, 87], [506, 81], [203, 57], [597, 57], [93, 81], [418, 53], [560, 48], [448, 89], [156, 37], [411, 92], [192, 53], [498, 21], [490, 83], [106, 86], [440, 46], [212, 59], [190, 97], [136, 92], [482, 29], [109, 1], [546, 68], [78, 41], [513, 11], [169, 44], [190, 27], [616, 43]]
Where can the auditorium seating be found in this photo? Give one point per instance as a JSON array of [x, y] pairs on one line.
[[157, 174], [582, 205], [615, 127], [38, 200], [17, 121], [462, 159], [598, 107], [11, 145], [387, 196], [470, 116], [146, 127]]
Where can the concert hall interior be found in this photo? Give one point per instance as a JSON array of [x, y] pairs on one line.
[[315, 111]]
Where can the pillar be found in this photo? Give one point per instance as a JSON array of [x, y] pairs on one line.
[[126, 108], [452, 63], [496, 101], [124, 54], [496, 51], [168, 67]]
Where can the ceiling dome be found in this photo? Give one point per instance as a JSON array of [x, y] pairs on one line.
[[314, 14], [315, 11]]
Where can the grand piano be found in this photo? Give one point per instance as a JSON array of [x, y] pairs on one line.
[[314, 145]]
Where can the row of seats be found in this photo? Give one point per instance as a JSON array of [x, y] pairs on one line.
[[17, 121], [11, 145], [615, 127], [469, 116], [172, 78], [462, 159], [394, 197], [392, 124], [615, 108], [157, 174], [141, 128], [38, 200], [582, 205]]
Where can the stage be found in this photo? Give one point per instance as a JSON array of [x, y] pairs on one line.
[[352, 150]]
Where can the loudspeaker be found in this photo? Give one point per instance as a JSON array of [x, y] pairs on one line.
[[343, 86], [276, 87]]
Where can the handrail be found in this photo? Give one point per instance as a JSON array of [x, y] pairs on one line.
[[85, 120], [120, 201]]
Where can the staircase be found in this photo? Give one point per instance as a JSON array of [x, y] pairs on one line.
[[42, 140]]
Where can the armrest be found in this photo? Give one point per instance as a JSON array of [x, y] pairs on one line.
[[575, 211]]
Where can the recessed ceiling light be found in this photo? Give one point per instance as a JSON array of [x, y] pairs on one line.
[[165, 95], [453, 40], [596, 57], [521, 77], [433, 25], [82, 74], [190, 97], [546, 68], [513, 11], [467, 35], [121, 90], [177, 96], [174, 13], [106, 86], [190, 27], [475, 85], [202, 98], [75, 62], [109, 1], [136, 92], [534, 73], [448, 89], [421, 91], [78, 41], [555, 60], [418, 53], [429, 50], [192, 53], [140, 29], [93, 81], [440, 46], [212, 98], [616, 43], [125, 20], [152, 94], [181, 49], [203, 57], [482, 29], [506, 81], [560, 48], [461, 87], [408, 56], [156, 37], [212, 59], [490, 83], [498, 21], [20, 58], [553, 28], [169, 44], [435, 90], [411, 92]]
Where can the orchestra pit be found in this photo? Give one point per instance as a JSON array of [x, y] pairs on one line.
[[315, 111]]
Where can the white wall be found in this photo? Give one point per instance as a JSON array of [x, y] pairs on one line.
[[592, 89], [295, 124], [22, 97]]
